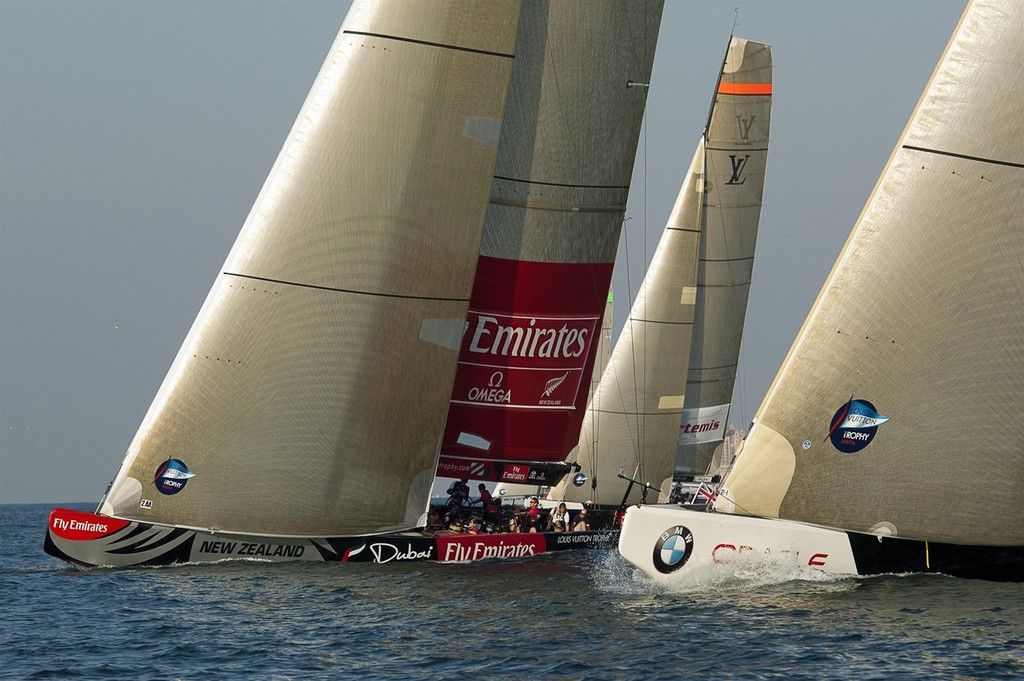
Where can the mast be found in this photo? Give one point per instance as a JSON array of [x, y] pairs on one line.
[[684, 328]]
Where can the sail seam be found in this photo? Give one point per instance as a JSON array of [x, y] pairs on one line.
[[708, 381], [726, 259], [343, 290], [729, 285], [715, 368], [982, 159], [659, 321], [562, 184], [432, 44], [707, 148], [529, 205], [663, 412]]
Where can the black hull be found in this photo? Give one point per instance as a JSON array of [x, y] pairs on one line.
[[91, 540], [881, 555]]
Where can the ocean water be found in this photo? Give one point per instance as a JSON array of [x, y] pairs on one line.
[[576, 615]]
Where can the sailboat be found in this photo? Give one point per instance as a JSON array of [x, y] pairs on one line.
[[454, 182], [668, 386], [888, 440]]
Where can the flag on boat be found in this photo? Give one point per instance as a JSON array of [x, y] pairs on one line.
[[704, 494]]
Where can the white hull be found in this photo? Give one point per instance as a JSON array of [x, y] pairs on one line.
[[665, 539]]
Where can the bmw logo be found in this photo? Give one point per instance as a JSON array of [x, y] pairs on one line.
[[673, 549], [579, 479]]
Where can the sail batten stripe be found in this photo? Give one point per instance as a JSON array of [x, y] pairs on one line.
[[714, 368], [529, 205], [662, 412], [709, 381], [731, 285], [428, 43], [736, 148], [953, 154], [562, 184], [344, 290], [658, 321], [726, 259]]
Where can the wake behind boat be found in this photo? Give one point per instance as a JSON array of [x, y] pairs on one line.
[[417, 291], [890, 439]]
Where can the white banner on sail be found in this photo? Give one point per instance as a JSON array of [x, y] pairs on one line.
[[703, 424]]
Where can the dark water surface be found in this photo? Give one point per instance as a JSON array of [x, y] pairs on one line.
[[576, 615]]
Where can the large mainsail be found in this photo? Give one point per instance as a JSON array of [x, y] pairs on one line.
[[310, 394], [690, 308], [560, 187], [897, 410]]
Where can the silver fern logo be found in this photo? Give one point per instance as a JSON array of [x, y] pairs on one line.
[[552, 385]]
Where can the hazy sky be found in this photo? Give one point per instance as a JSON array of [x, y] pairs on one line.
[[134, 137]]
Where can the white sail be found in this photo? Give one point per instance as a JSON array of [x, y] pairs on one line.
[[918, 329], [310, 394], [700, 276], [632, 421]]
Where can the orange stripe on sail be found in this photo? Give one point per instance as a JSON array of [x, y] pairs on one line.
[[745, 88]]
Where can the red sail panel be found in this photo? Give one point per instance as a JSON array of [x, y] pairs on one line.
[[527, 354]]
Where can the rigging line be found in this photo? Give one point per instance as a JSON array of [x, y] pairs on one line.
[[642, 421], [637, 436], [632, 432], [642, 373]]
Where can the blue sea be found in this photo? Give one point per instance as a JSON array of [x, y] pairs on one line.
[[575, 615]]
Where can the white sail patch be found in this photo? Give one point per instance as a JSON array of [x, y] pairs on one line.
[[689, 296], [703, 424], [444, 332], [484, 130], [474, 441], [671, 402]]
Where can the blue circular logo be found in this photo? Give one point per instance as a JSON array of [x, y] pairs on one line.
[[171, 476], [579, 479], [673, 549], [854, 426]]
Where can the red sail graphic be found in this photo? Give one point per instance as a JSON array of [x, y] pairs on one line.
[[527, 355]]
